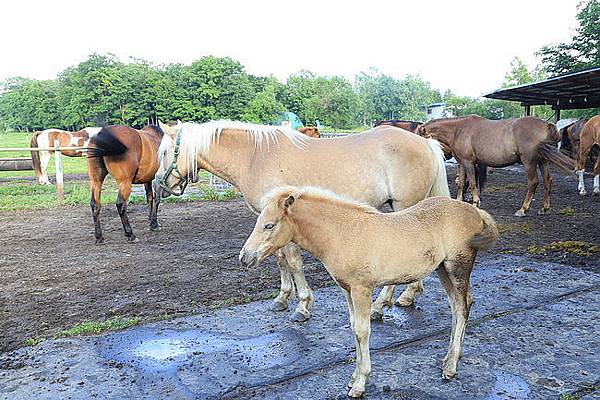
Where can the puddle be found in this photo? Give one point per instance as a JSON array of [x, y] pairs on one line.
[[509, 386]]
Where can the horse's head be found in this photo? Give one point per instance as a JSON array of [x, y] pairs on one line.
[[172, 174], [273, 229]]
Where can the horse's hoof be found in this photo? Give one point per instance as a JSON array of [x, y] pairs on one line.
[[596, 192], [297, 316], [404, 302], [376, 315], [583, 192], [447, 374], [278, 305], [356, 393], [520, 213], [133, 239], [155, 228], [100, 241], [544, 211]]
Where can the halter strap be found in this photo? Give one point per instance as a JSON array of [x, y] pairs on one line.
[[173, 168]]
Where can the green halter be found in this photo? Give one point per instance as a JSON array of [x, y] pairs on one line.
[[173, 169]]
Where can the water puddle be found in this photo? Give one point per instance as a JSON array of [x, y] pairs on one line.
[[509, 386]]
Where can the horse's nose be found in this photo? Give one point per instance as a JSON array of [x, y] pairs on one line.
[[246, 259]]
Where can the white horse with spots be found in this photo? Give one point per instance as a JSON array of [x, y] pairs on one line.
[[47, 138], [382, 165]]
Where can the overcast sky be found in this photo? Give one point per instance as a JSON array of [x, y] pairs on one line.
[[462, 45]]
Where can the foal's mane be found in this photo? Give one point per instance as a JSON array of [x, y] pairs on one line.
[[316, 194]]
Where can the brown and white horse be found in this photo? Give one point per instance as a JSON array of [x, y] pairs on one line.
[[311, 131], [589, 138], [476, 140], [382, 165], [130, 156], [46, 139], [363, 248]]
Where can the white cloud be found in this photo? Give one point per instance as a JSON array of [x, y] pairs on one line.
[[464, 45]]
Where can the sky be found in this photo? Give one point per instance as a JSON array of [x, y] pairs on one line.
[[462, 45]]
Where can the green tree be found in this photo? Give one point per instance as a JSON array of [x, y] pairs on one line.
[[265, 107]]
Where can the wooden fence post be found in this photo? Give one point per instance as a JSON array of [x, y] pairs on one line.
[[60, 190]]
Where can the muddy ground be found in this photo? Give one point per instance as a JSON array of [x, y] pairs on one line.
[[53, 276]]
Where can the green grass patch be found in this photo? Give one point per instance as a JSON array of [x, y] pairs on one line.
[[94, 328], [33, 341], [504, 188], [567, 211], [515, 227], [575, 247]]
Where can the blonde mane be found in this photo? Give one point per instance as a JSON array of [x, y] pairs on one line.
[[198, 139], [315, 194]]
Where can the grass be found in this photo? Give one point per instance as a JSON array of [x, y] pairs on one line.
[[515, 227], [567, 211], [505, 187], [575, 247], [94, 328]]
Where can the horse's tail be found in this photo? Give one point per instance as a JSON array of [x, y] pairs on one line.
[[549, 152], [105, 143], [564, 143], [440, 184], [35, 155], [488, 236]]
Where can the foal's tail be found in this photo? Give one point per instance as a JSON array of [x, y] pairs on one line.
[[105, 143], [35, 155], [488, 236], [440, 184]]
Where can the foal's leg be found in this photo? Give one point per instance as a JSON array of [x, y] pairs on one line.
[[545, 171], [409, 296], [351, 314], [97, 172], [532, 184], [361, 302], [153, 199], [122, 199], [385, 299], [286, 290], [455, 277], [305, 294]]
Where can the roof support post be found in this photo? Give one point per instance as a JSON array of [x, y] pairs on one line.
[[557, 114], [528, 111]]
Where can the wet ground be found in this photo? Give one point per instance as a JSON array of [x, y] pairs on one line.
[[532, 335]]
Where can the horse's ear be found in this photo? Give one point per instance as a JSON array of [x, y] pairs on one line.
[[167, 129], [289, 202]]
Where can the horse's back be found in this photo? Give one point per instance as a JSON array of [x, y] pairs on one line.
[[591, 130]]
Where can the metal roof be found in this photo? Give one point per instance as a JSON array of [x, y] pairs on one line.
[[579, 89]]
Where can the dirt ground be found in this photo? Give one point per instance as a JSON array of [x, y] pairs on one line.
[[53, 276]]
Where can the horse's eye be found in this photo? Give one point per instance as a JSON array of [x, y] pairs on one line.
[[268, 227]]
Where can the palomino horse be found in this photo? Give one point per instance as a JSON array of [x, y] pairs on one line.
[[311, 131], [46, 138], [474, 139], [410, 126], [589, 137], [362, 248], [382, 165], [129, 155]]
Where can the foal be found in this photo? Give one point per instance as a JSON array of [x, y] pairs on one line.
[[363, 248], [589, 137]]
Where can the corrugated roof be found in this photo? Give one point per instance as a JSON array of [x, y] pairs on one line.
[[579, 89]]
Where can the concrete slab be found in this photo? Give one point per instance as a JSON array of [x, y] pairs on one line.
[[533, 335]]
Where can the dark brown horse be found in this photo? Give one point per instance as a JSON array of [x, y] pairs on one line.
[[311, 131], [410, 126], [476, 140], [569, 136], [589, 138], [130, 156]]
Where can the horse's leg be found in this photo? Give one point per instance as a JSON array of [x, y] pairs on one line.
[[361, 303], [385, 299], [469, 169], [44, 160], [532, 184], [153, 199], [455, 277], [97, 172], [122, 199], [461, 177], [410, 294], [351, 314], [305, 294], [597, 177], [585, 146], [545, 171], [286, 290]]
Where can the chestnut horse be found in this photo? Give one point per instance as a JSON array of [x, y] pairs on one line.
[[476, 140], [311, 131], [46, 138], [130, 156], [589, 137], [570, 136], [410, 126]]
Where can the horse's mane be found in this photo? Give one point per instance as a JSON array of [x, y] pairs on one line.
[[198, 139], [318, 194], [452, 119], [156, 129]]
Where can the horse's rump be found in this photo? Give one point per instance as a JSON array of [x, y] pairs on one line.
[[35, 154], [106, 143]]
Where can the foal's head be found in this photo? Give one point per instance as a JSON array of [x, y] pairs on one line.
[[273, 229]]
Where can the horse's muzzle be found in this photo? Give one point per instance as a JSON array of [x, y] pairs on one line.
[[248, 260]]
